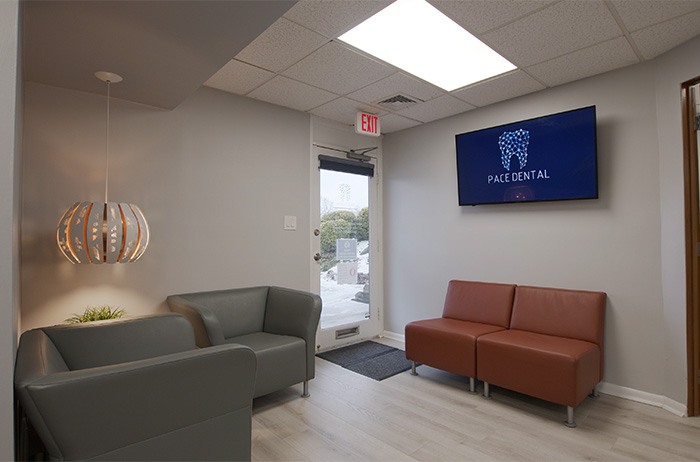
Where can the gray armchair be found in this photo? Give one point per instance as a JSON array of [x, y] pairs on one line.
[[278, 324], [135, 389]]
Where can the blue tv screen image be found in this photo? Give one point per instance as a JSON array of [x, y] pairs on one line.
[[548, 158]]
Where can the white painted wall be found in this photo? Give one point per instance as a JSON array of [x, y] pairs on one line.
[[214, 177], [613, 244], [10, 160]]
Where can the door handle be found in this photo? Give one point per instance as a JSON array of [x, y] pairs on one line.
[[317, 257]]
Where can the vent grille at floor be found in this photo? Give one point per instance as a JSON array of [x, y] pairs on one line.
[[345, 333]]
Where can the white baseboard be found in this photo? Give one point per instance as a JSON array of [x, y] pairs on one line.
[[631, 394], [393, 336], [639, 396], [675, 407]]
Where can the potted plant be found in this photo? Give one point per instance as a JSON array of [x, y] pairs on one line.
[[97, 313]]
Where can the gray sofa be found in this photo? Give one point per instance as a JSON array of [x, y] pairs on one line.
[[135, 389], [278, 324]]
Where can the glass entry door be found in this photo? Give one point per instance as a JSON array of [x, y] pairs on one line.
[[344, 251], [345, 259]]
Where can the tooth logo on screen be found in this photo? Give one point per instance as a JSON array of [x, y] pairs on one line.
[[514, 144]]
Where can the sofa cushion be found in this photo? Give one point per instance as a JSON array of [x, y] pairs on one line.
[[281, 360], [446, 344], [557, 369], [575, 314], [481, 302]]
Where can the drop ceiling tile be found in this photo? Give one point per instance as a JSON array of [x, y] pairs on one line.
[[393, 123], [333, 18], [239, 78], [554, 31], [438, 108], [479, 16], [395, 84], [499, 88], [344, 110], [292, 94], [660, 38], [336, 68], [603, 57], [636, 14], [281, 45]]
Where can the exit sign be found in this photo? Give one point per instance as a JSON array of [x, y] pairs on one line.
[[367, 124]]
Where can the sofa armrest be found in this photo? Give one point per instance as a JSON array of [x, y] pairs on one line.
[[156, 406], [207, 328], [294, 312], [37, 357]]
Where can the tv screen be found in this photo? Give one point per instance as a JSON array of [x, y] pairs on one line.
[[548, 158]]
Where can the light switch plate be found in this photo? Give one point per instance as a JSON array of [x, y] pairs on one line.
[[290, 223]]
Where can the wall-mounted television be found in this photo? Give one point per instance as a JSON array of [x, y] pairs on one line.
[[548, 158]]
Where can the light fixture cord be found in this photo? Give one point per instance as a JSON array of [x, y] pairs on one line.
[[107, 146]]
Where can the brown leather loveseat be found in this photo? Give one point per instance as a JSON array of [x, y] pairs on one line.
[[550, 347]]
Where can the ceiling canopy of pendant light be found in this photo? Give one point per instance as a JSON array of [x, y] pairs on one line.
[[103, 232]]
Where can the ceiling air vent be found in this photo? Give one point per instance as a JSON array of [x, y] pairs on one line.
[[398, 102]]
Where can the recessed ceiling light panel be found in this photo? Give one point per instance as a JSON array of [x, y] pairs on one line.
[[417, 38]]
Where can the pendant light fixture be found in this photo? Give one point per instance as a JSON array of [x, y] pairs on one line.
[[103, 232]]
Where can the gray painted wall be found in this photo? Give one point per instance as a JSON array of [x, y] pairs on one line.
[[10, 155], [214, 177], [613, 244]]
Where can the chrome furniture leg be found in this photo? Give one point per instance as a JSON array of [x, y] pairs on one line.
[[570, 422]]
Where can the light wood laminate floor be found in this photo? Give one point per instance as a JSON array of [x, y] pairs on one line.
[[432, 417]]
